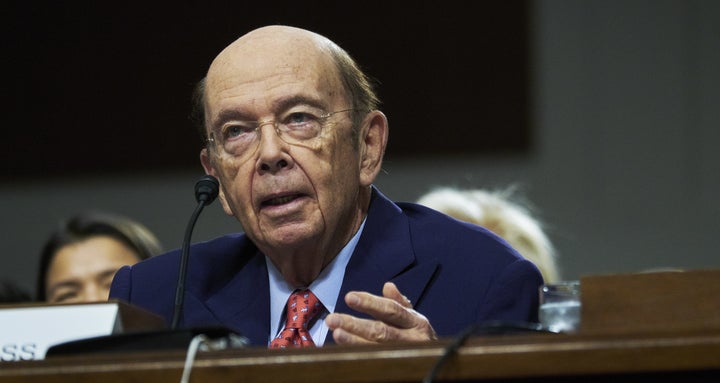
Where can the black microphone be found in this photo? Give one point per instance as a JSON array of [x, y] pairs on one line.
[[206, 190]]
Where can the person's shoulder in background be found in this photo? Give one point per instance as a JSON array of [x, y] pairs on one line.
[[504, 214]]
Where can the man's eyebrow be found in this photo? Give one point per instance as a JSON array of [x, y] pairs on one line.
[[278, 106], [295, 100], [229, 114]]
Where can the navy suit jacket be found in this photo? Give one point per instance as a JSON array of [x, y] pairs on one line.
[[456, 274]]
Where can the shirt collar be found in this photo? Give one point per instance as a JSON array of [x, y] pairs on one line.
[[326, 286]]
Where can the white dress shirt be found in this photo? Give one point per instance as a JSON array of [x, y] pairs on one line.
[[326, 288]]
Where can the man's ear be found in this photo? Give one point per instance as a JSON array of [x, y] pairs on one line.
[[209, 167], [373, 140], [207, 163]]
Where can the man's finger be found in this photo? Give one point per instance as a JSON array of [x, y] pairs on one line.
[[343, 337], [348, 329], [383, 309], [391, 291]]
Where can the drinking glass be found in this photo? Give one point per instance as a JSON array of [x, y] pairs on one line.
[[560, 306]]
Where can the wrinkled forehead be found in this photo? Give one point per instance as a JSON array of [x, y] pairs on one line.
[[270, 61]]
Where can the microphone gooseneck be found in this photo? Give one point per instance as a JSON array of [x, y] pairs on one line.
[[206, 190], [213, 337]]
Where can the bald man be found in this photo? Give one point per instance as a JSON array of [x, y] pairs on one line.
[[294, 135]]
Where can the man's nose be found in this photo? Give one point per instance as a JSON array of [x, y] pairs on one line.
[[273, 155]]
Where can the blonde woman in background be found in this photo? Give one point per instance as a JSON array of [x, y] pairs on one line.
[[499, 213]]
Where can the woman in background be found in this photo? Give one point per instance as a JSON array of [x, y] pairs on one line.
[[79, 260], [498, 212]]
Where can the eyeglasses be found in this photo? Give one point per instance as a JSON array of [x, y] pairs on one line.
[[296, 127]]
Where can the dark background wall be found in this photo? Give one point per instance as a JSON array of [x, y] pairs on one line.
[[104, 87], [623, 119]]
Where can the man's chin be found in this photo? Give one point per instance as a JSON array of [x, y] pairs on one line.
[[290, 236]]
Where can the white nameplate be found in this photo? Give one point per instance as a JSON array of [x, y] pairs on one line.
[[26, 332]]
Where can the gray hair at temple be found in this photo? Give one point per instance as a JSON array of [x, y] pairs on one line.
[[498, 212]]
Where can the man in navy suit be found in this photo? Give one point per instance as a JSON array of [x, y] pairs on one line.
[[295, 138]]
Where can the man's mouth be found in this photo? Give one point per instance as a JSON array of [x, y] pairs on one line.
[[280, 200]]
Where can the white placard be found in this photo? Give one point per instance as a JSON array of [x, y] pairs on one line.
[[26, 332]]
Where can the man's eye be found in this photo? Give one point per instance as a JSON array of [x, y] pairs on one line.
[[233, 131], [299, 118]]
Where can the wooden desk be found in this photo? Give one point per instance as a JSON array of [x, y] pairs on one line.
[[679, 356], [638, 327]]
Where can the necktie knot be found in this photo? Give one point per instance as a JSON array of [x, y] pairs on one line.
[[302, 307]]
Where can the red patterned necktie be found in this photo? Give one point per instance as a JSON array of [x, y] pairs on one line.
[[302, 306]]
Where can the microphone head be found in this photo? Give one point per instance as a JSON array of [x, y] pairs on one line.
[[207, 189]]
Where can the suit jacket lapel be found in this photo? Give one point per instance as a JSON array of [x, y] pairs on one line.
[[244, 303], [385, 253]]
